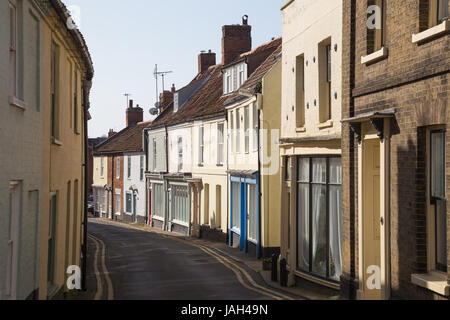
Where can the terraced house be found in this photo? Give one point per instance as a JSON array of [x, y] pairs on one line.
[[253, 110], [46, 78], [310, 143], [395, 150], [119, 168]]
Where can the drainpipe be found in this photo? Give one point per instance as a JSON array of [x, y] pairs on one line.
[[113, 194], [259, 178], [228, 181], [85, 222]]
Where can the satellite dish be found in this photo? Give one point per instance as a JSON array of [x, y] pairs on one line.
[[157, 105], [154, 111]]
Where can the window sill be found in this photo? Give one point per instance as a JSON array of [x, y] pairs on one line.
[[375, 57], [219, 165], [433, 281], [77, 132], [300, 130], [314, 279], [431, 33], [325, 125], [16, 102], [57, 142]]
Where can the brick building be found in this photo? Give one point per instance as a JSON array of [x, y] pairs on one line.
[[394, 141]]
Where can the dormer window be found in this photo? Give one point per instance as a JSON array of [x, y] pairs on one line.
[[242, 77], [228, 85]]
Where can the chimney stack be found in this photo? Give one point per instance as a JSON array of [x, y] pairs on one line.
[[134, 115], [173, 88], [236, 40], [111, 133], [206, 60], [166, 98]]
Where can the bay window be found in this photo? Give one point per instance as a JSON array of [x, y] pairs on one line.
[[319, 247]]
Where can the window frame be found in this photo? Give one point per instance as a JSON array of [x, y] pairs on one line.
[[201, 145], [129, 167], [141, 168], [154, 147], [102, 167], [432, 213], [180, 153], [75, 101], [238, 131], [434, 12], [54, 90], [255, 112], [247, 129], [220, 143], [118, 168], [310, 184], [13, 49], [300, 90]]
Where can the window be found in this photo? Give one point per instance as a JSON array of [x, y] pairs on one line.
[[218, 217], [252, 213], [118, 203], [129, 167], [118, 168], [241, 75], [319, 248], [158, 200], [180, 154], [236, 194], [102, 167], [141, 170], [220, 141], [287, 165], [228, 81], [52, 239], [13, 68], [376, 36], [437, 12], [201, 145], [54, 92], [181, 203], [300, 91], [238, 132], [232, 130], [75, 222], [247, 128], [75, 102], [255, 126], [438, 199], [154, 155], [128, 202], [325, 80]]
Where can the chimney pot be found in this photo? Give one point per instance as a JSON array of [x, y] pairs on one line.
[[131, 104], [173, 88]]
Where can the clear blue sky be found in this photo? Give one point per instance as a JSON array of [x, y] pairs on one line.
[[127, 38]]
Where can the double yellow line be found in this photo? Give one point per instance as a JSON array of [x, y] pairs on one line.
[[240, 272], [110, 289]]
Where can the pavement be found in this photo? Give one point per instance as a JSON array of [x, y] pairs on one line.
[[135, 262]]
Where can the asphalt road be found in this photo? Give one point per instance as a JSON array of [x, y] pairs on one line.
[[129, 264]]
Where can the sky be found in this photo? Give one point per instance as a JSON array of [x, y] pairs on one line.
[[127, 38]]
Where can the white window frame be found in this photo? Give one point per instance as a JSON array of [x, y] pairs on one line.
[[238, 131], [15, 202], [154, 147], [220, 142], [102, 167], [118, 168], [201, 145], [118, 201], [247, 129], [180, 153], [255, 126], [141, 169], [129, 167], [232, 132]]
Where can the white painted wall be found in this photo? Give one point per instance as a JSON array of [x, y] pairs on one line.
[[183, 131], [135, 181]]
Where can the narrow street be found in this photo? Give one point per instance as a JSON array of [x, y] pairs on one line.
[[129, 264]]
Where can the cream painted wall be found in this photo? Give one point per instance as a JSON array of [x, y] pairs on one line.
[[99, 182], [211, 173], [306, 23], [270, 169], [62, 161]]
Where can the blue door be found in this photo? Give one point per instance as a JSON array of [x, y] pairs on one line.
[[243, 244]]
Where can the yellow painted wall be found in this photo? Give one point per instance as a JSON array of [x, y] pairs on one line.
[[211, 174], [98, 180], [271, 120], [62, 162]]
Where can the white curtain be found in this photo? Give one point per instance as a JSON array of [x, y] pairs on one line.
[[319, 232], [303, 227]]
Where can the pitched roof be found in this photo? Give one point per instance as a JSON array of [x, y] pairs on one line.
[[209, 100], [250, 86], [127, 140]]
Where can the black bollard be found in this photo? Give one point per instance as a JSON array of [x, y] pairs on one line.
[[274, 268], [283, 273]]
